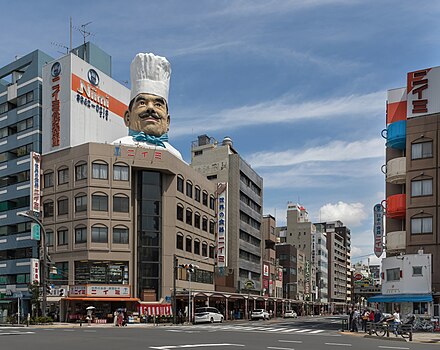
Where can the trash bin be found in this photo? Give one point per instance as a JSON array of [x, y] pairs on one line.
[[344, 325]]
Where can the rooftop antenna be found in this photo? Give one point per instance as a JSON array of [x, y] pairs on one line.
[[70, 35], [84, 32], [60, 45]]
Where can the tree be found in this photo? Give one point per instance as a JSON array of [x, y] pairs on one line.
[[34, 289]]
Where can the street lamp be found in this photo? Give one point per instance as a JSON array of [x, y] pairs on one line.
[[33, 216]]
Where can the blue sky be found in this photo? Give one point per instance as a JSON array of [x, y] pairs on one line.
[[299, 85]]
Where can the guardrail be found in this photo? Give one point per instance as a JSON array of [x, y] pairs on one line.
[[383, 328]]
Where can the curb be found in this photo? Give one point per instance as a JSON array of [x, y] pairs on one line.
[[387, 338]]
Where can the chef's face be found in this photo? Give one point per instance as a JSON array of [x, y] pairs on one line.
[[148, 113]]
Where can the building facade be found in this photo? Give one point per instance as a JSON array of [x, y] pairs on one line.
[[221, 163], [271, 277]]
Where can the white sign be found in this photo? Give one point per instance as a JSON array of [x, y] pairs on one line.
[[35, 271], [378, 230], [102, 291], [80, 104], [222, 226], [35, 182], [423, 87]]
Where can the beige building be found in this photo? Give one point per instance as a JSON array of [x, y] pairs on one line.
[[116, 216], [272, 280]]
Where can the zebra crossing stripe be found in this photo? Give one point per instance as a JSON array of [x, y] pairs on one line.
[[277, 329], [303, 331], [290, 330], [317, 331]]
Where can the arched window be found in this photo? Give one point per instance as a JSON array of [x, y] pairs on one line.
[[197, 246], [205, 224], [421, 148], [211, 251], [48, 209], [100, 170], [179, 241], [63, 206], [180, 182], [80, 234], [99, 201], [99, 234], [197, 220], [49, 238], [120, 235], [211, 226], [80, 202], [205, 198], [121, 172], [81, 171], [421, 186], [211, 202], [62, 236], [197, 194], [421, 224], [189, 189], [120, 203], [205, 249], [188, 244], [48, 179], [188, 216], [63, 175], [179, 214]]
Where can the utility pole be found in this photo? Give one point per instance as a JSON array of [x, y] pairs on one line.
[[175, 261]]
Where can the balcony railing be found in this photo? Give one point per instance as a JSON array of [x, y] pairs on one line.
[[395, 206], [395, 134], [395, 171], [396, 241]]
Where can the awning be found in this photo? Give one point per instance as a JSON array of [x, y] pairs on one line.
[[102, 299], [401, 298]]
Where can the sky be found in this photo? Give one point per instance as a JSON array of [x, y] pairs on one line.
[[299, 85]]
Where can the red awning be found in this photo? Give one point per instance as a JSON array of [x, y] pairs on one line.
[[102, 299]]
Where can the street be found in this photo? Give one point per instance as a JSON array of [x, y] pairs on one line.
[[298, 334]]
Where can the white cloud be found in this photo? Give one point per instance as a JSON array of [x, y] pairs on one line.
[[333, 151], [282, 110], [351, 214]]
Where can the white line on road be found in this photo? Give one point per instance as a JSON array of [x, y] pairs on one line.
[[303, 331], [68, 330], [48, 329], [276, 348], [90, 331], [392, 347], [317, 331], [166, 347], [291, 341], [338, 344], [290, 330]]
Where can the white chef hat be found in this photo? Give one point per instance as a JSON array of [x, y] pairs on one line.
[[150, 74]]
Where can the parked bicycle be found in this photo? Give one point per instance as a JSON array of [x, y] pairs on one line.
[[385, 327]]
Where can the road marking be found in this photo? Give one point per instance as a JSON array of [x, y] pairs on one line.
[[303, 331], [48, 329], [317, 331], [291, 341], [68, 330], [86, 331], [392, 347], [290, 330], [17, 333], [166, 347], [338, 344], [277, 348]]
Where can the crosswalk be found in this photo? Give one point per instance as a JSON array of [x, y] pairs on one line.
[[238, 328], [7, 331]]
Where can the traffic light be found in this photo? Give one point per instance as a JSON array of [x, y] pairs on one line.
[[62, 292], [49, 289], [188, 267]]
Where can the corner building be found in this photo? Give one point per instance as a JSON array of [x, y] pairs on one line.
[[115, 216]]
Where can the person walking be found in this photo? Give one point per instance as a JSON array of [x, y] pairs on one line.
[[365, 317], [355, 321], [115, 318]]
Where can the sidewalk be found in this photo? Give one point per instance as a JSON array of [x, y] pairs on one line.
[[419, 337]]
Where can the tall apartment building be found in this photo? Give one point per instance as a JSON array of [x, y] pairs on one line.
[[412, 170], [20, 133], [339, 268], [320, 260], [271, 278], [221, 163]]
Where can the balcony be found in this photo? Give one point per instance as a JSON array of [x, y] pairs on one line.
[[396, 206], [395, 171], [395, 241], [395, 134]]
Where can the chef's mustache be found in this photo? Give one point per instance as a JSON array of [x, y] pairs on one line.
[[149, 114]]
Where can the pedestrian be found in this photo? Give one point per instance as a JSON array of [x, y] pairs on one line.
[[395, 318], [354, 326], [365, 317], [180, 314], [120, 319], [115, 318], [350, 319], [377, 316]]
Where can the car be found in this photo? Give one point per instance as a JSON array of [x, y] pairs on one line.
[[259, 314], [207, 314], [290, 314]]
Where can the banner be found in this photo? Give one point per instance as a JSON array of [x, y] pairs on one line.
[[378, 230], [35, 182]]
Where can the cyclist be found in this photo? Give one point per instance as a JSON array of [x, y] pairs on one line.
[[395, 318]]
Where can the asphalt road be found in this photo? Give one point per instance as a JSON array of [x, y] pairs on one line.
[[268, 335]]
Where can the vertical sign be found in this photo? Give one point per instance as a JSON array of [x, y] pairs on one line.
[[35, 271], [56, 110], [222, 226], [35, 182], [378, 230], [35, 230]]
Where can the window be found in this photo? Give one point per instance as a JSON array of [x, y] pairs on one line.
[[211, 226], [188, 216], [48, 209], [100, 171], [393, 274], [205, 198], [189, 189], [421, 225], [49, 238], [120, 235], [63, 206], [48, 180], [81, 203], [25, 98], [421, 187], [120, 204], [100, 202], [205, 224], [211, 251], [81, 235], [63, 176], [179, 241], [421, 150], [25, 124], [180, 183], [197, 247], [179, 212], [417, 270], [81, 172], [62, 236], [211, 202], [120, 172], [211, 177], [197, 194], [197, 220], [188, 244], [204, 249], [99, 234]]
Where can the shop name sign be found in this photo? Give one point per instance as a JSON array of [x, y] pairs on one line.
[[89, 95], [35, 271], [35, 184], [222, 193], [101, 291], [378, 230], [56, 114]]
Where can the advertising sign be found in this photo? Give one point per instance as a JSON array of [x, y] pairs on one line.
[[378, 230], [80, 104], [423, 88], [35, 271], [109, 291], [35, 182], [222, 227], [35, 230], [265, 270]]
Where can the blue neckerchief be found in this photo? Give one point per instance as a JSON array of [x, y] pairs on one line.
[[142, 137]]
